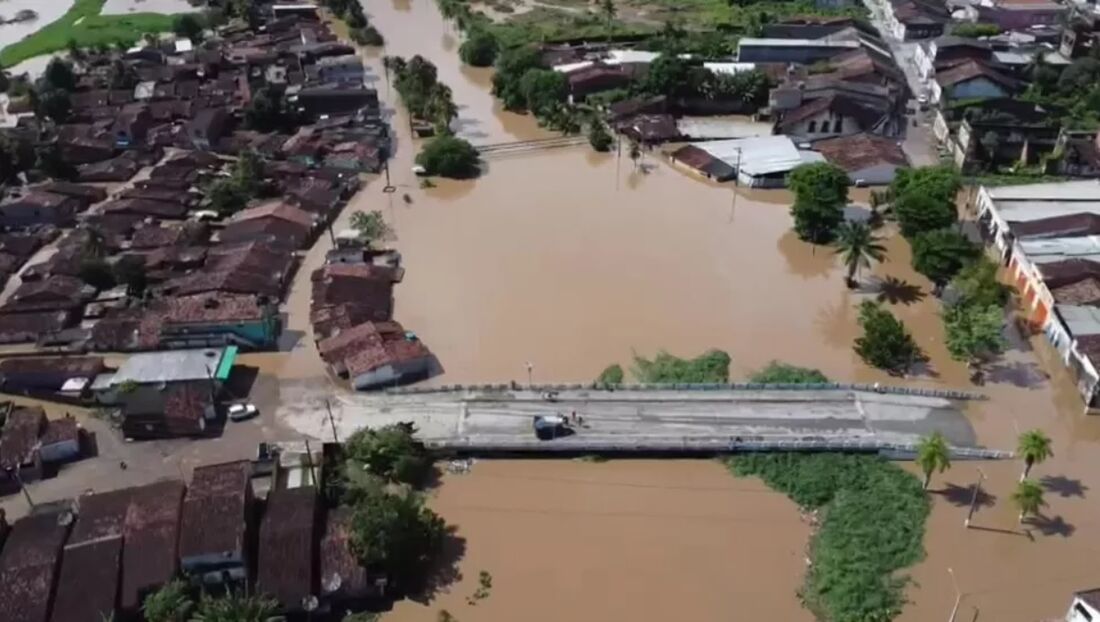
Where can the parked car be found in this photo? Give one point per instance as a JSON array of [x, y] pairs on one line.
[[241, 412]]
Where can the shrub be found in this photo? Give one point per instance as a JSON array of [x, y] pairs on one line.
[[941, 254], [782, 373], [448, 156], [599, 137], [479, 49], [612, 374], [368, 35], [390, 452], [885, 342], [712, 366]]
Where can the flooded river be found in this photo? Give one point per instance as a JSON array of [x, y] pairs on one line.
[[572, 260]]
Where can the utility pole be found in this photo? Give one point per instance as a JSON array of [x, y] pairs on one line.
[[530, 369], [331, 421], [736, 185], [974, 498], [958, 596]]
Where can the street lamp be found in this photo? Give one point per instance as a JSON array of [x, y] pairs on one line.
[[974, 499], [958, 595], [530, 369]]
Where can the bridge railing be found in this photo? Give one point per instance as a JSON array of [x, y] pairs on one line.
[[733, 386]]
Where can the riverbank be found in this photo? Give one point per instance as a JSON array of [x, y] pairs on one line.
[[86, 24]]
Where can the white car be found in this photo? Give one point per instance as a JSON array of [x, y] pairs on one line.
[[240, 412]]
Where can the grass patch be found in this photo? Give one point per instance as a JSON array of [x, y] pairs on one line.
[[93, 29], [871, 525]]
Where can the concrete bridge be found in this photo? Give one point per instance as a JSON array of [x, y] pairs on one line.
[[697, 419]]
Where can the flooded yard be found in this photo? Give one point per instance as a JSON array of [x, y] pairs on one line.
[[635, 540]]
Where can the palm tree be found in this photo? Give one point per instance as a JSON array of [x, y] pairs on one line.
[[1028, 497], [1033, 447], [859, 247], [933, 454], [607, 7]]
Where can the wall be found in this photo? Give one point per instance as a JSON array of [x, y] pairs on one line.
[[812, 128]]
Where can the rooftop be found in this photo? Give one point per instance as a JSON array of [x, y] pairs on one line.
[[860, 151], [286, 546], [176, 366], [759, 155], [151, 533], [215, 509], [19, 440]]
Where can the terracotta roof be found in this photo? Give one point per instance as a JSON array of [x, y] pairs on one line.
[[19, 440], [341, 573], [88, 581], [185, 406], [366, 286], [344, 342], [389, 352], [1085, 292], [23, 327], [285, 568], [1070, 225], [52, 293], [83, 366], [212, 307], [151, 531], [28, 566], [973, 69], [147, 207], [60, 431], [860, 151], [215, 510], [865, 116]]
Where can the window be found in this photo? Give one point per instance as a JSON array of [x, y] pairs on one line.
[[1084, 613], [838, 127], [812, 128]]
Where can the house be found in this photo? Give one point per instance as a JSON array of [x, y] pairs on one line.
[[131, 127], [61, 441], [917, 19], [598, 78], [39, 208], [1021, 14], [990, 141], [29, 566], [759, 161], [54, 293], [19, 456], [275, 223], [357, 156], [364, 286], [971, 80], [837, 115], [213, 318], [144, 376], [287, 547], [213, 544], [376, 354], [1080, 153], [1012, 219], [92, 559], [345, 583], [868, 159], [703, 163], [83, 192], [49, 374], [16, 327], [347, 68], [801, 51], [122, 168], [150, 542], [315, 101], [208, 126], [947, 51], [1085, 606]]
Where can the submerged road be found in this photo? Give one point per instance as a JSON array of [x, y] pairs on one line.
[[473, 417]]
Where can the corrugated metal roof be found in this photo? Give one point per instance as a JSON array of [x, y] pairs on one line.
[[710, 128], [729, 68], [758, 155], [1061, 248], [1080, 320], [1026, 210], [169, 366], [1084, 190]]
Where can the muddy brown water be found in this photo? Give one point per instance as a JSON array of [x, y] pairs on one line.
[[573, 260]]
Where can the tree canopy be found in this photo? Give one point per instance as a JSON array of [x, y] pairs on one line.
[[187, 25], [710, 367], [371, 226], [858, 246], [1028, 498], [885, 343], [933, 454], [1034, 446], [511, 66], [448, 156], [611, 375], [395, 533], [390, 452], [480, 48], [977, 284], [821, 194], [940, 254], [778, 372], [59, 75], [974, 332], [416, 80]]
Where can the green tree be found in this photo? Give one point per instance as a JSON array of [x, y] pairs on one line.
[[1034, 446], [171, 603], [941, 254], [187, 25], [672, 76], [933, 455], [236, 608], [918, 213], [713, 366], [248, 173], [390, 452], [371, 227], [974, 333], [611, 375], [599, 137], [227, 197], [976, 30], [512, 65], [858, 246], [448, 156], [607, 8], [59, 75], [778, 372], [55, 105], [938, 182], [395, 533], [130, 271], [368, 35], [440, 108], [266, 111], [480, 48], [48, 159], [885, 343], [1028, 498], [543, 90], [97, 273], [821, 193], [748, 87], [977, 284]]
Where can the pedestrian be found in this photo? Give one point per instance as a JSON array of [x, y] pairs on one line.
[[573, 416], [122, 465], [580, 420]]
